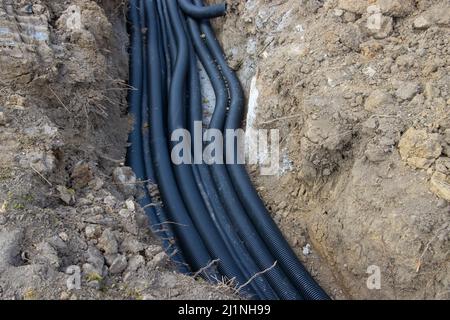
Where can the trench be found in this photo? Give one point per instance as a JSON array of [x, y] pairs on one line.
[[209, 216]]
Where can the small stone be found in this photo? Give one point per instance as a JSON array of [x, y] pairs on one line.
[[158, 260], [419, 148], [407, 91], [110, 201], [349, 17], [92, 231], [125, 213], [374, 153], [94, 284], [384, 29], [95, 258], [64, 237], [48, 254], [135, 263], [377, 100], [440, 185], [306, 250], [130, 205], [64, 296], [97, 183], [108, 242], [338, 12], [90, 271], [422, 23], [152, 251], [119, 265], [370, 72], [447, 136], [442, 203], [66, 195], [396, 8], [16, 101], [109, 259], [126, 180], [355, 6], [81, 175], [3, 120], [131, 245]]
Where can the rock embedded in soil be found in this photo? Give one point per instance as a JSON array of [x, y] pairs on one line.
[[119, 265], [440, 185], [95, 258], [385, 28], [378, 100], [408, 90], [355, 6], [131, 245], [135, 262], [396, 8], [108, 242], [126, 180], [81, 175]]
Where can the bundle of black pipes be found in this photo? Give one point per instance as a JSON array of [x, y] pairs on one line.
[[211, 218]]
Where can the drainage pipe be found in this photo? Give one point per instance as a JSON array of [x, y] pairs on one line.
[[253, 204], [207, 12]]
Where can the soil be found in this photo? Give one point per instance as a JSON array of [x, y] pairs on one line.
[[67, 204], [364, 134], [364, 123]]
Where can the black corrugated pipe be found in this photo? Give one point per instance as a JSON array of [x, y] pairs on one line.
[[188, 238], [253, 204], [246, 231], [214, 211], [138, 156], [183, 172], [212, 199], [208, 12]]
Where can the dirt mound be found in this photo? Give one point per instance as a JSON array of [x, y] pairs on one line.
[[69, 224]]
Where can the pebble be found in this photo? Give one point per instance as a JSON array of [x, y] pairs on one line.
[[407, 91], [131, 245], [118, 265], [94, 284], [81, 175], [2, 118], [126, 180], [92, 231], [152, 251], [95, 258], [307, 250], [108, 242], [130, 205], [66, 195], [135, 263], [64, 237], [158, 260], [110, 201], [125, 213], [421, 23], [442, 203]]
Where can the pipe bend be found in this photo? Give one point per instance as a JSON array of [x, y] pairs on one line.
[[203, 12]]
